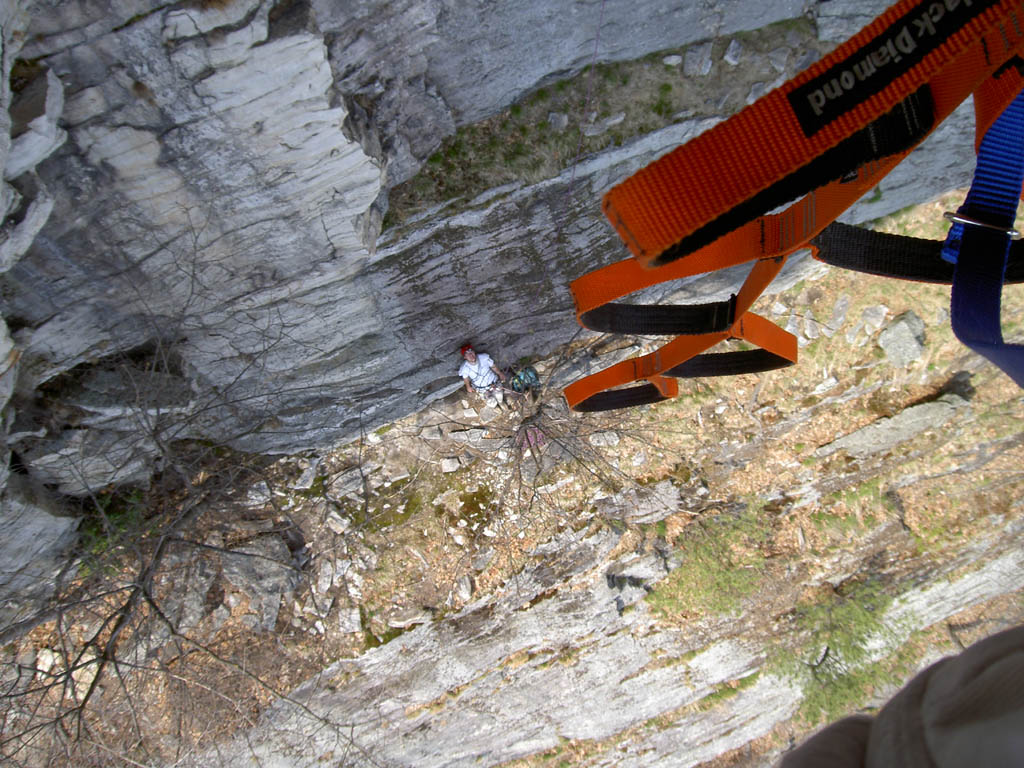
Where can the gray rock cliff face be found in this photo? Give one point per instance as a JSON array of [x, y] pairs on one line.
[[570, 652], [221, 194], [193, 194], [34, 529], [466, 61], [193, 198], [219, 199]]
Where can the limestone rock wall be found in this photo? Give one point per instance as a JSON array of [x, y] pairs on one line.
[[219, 198], [35, 530], [464, 61], [191, 247], [570, 652]]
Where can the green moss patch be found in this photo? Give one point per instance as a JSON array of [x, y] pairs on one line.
[[721, 566]]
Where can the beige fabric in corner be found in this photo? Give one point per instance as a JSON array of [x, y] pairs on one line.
[[966, 711]]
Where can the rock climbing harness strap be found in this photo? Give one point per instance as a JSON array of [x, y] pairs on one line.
[[768, 153], [979, 250], [897, 256], [777, 348], [660, 369], [825, 137]]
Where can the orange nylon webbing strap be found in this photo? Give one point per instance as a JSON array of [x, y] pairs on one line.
[[767, 237], [771, 238], [592, 393], [943, 50], [660, 218], [586, 394]]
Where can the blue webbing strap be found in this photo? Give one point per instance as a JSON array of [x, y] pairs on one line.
[[980, 252]]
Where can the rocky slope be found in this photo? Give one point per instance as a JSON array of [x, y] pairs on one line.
[[864, 508], [212, 267], [193, 194], [192, 248], [220, 197], [701, 582]]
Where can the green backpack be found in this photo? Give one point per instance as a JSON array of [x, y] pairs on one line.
[[525, 379]]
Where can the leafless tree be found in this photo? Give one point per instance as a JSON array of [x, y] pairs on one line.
[[137, 660], [140, 660]]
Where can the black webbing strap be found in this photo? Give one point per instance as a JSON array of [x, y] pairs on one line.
[[892, 133], [729, 364], [700, 366], [610, 400], [661, 319], [904, 258], [896, 131]]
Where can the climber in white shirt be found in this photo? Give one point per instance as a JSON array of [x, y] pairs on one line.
[[481, 375]]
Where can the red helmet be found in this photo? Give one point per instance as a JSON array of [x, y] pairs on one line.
[[465, 348]]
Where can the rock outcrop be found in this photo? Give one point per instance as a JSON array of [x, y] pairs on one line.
[[193, 198], [220, 196], [35, 531], [571, 653]]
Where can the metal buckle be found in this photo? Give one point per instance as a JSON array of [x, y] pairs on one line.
[[957, 218]]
